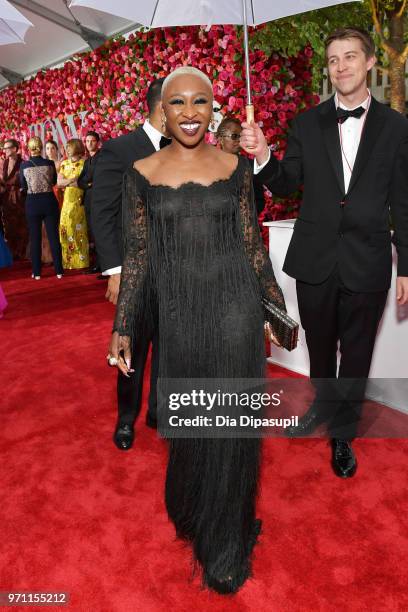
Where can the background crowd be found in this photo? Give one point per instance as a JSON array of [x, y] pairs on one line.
[[25, 233], [30, 230]]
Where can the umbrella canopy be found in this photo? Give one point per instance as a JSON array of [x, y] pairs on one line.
[[167, 13], [13, 25]]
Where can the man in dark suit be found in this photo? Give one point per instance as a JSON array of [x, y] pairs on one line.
[[117, 156], [85, 182], [351, 155]]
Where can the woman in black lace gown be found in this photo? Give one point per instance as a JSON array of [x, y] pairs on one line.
[[192, 241]]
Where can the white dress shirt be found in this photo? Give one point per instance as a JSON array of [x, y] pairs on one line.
[[155, 137], [350, 134]]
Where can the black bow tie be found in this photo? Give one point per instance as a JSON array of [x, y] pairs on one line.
[[343, 114], [164, 142]]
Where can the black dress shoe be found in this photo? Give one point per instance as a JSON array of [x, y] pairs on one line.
[[151, 421], [343, 461], [124, 436], [306, 423], [93, 270]]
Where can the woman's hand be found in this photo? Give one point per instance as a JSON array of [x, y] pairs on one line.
[[119, 354], [270, 336], [62, 182]]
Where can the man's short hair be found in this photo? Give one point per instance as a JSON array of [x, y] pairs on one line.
[[153, 95], [364, 37], [94, 134], [14, 143]]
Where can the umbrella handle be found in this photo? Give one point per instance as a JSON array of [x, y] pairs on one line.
[[250, 113]]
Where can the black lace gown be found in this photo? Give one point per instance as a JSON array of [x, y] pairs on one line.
[[198, 250]]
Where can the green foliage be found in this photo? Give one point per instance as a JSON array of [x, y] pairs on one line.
[[389, 5], [290, 35]]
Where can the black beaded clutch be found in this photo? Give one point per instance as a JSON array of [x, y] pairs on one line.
[[283, 326]]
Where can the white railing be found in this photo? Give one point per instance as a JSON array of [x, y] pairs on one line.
[[378, 82]]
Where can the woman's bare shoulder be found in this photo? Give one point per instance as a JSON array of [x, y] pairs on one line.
[[148, 165], [228, 161]]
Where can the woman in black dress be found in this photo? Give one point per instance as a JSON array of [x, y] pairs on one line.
[[192, 240]]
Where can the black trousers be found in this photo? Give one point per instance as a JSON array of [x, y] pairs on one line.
[[332, 315], [93, 256], [36, 213], [129, 390]]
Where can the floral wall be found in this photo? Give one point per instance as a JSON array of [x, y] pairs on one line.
[[111, 82]]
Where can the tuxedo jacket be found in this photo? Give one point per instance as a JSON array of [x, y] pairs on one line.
[[116, 156], [85, 179], [350, 230]]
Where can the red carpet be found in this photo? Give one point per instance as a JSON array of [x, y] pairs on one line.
[[80, 516]]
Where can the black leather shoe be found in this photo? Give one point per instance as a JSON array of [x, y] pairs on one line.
[[124, 436], [93, 270], [306, 424], [151, 421], [343, 461]]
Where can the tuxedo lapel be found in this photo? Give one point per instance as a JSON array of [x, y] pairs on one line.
[[372, 128], [141, 144], [330, 130]]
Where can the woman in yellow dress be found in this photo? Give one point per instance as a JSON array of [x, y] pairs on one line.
[[73, 229]]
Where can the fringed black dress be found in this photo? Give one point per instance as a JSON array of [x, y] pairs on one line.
[[198, 250]]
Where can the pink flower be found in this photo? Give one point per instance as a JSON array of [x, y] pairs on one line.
[[111, 83]]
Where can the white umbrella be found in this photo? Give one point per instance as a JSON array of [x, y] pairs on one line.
[[167, 13], [13, 25]]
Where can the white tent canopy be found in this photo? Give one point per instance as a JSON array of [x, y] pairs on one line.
[[55, 36]]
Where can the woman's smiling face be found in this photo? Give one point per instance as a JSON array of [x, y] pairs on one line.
[[187, 104]]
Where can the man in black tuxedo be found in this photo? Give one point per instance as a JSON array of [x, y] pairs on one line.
[[351, 155], [117, 156], [85, 182]]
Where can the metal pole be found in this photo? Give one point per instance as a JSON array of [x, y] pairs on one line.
[[249, 106]]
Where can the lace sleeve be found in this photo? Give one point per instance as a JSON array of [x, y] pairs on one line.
[[130, 306], [254, 246]]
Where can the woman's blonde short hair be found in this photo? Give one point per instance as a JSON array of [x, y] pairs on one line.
[[185, 70], [35, 145], [74, 146]]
